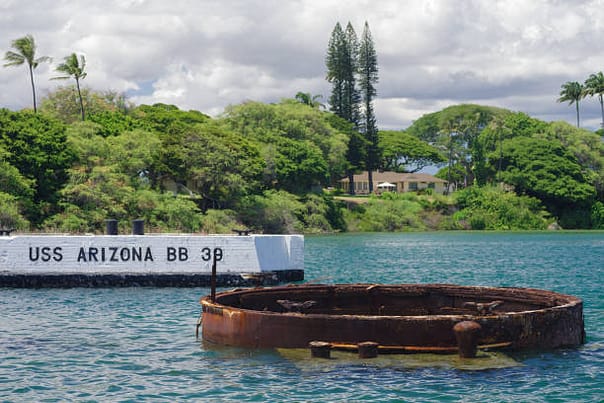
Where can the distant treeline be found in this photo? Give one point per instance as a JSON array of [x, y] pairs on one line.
[[268, 167]]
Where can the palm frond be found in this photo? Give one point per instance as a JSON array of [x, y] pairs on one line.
[[571, 92], [13, 59], [594, 85]]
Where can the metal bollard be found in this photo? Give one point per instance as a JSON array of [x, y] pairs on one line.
[[368, 349], [320, 349], [138, 227], [466, 334], [111, 226]]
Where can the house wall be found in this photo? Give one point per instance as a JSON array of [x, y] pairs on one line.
[[411, 186], [362, 187]]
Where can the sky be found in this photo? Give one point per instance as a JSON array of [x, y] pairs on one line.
[[208, 54]]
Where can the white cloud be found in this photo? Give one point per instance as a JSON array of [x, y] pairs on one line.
[[207, 54]]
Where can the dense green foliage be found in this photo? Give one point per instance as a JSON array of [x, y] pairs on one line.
[[557, 163], [494, 208], [402, 152], [179, 170], [10, 214], [36, 146], [391, 212], [300, 146], [342, 64], [63, 104], [265, 167], [89, 156], [455, 132]]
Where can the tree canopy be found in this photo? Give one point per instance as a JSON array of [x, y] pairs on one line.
[[37, 147], [402, 152], [455, 131]]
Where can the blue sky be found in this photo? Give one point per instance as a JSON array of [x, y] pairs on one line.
[[207, 54]]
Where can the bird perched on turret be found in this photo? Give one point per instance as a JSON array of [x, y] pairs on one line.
[[295, 306], [483, 308]]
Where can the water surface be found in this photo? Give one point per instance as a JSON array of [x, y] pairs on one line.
[[138, 344]]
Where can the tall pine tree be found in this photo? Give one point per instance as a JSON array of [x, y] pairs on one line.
[[352, 98], [368, 78], [335, 75], [341, 61]]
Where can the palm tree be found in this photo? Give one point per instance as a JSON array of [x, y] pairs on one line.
[[73, 67], [25, 53], [311, 100], [572, 92], [594, 85]]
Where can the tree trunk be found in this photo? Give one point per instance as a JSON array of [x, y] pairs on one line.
[[33, 88], [450, 162], [81, 102], [351, 182], [602, 108]]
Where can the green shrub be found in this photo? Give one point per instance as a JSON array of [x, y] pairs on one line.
[[161, 213], [172, 213], [390, 212], [273, 212], [10, 216], [597, 215], [219, 221], [493, 208], [322, 214], [74, 220]]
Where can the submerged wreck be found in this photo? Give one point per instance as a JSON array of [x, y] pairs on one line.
[[400, 318]]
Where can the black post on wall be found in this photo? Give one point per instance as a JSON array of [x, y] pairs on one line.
[[213, 281], [217, 255], [138, 227], [111, 226]]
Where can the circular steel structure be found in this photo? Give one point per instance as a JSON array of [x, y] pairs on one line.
[[400, 317]]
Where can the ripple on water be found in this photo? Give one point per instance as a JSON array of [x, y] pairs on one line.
[[139, 344]]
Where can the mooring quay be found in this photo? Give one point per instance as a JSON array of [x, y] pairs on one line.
[[174, 260]]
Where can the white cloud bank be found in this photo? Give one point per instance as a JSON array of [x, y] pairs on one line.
[[207, 54]]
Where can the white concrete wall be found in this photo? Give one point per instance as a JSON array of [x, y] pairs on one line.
[[150, 253]]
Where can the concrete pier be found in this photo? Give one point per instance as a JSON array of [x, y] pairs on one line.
[[172, 260]]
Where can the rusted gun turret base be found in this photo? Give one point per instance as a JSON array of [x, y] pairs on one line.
[[406, 315]]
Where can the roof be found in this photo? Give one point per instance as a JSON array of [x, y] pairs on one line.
[[396, 177]]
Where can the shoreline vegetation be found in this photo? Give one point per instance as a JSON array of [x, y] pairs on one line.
[[274, 169], [83, 156]]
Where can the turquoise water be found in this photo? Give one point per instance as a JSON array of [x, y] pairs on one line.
[[138, 344]]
